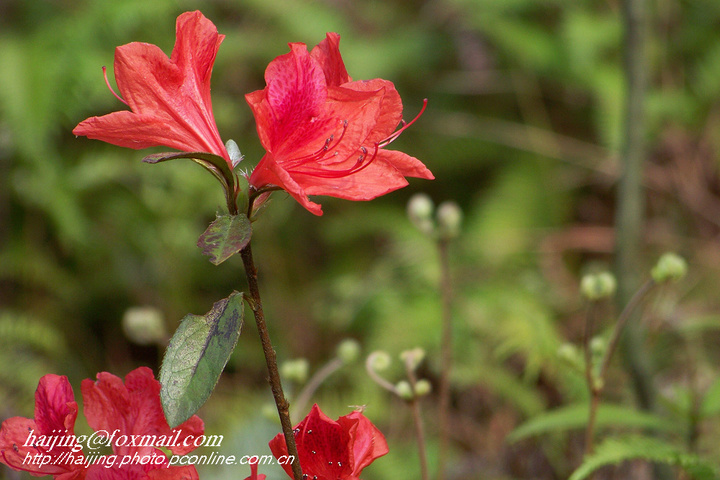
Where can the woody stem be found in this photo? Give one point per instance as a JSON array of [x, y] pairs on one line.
[[283, 407]]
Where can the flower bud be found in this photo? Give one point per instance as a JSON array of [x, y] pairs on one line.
[[295, 370], [597, 346], [144, 325], [420, 209], [233, 152], [670, 267], [379, 361], [404, 390], [348, 351], [449, 218], [412, 358], [422, 387], [569, 353], [598, 286]]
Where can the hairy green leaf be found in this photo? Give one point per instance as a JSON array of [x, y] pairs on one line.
[[197, 355], [576, 416], [225, 237], [619, 449]]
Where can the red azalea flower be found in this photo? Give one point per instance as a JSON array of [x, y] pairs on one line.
[[333, 450], [325, 134], [24, 442], [128, 414], [133, 410], [169, 99]]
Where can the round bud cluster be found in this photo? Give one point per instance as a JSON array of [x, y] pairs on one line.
[[670, 267], [348, 351], [449, 218], [598, 286], [295, 370], [144, 325]]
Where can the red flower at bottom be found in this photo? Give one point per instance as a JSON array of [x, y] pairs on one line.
[[122, 412], [333, 450]]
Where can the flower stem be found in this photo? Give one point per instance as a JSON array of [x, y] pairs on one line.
[[596, 384], [417, 419], [315, 381], [283, 407], [446, 358], [593, 385]]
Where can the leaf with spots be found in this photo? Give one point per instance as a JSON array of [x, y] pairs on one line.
[[197, 355], [225, 237]]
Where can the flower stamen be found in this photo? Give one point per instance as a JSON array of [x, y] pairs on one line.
[[403, 126], [107, 82]]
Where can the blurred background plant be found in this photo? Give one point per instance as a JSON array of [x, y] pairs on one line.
[[522, 130]]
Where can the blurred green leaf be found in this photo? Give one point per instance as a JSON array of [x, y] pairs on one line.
[[619, 449], [575, 416]]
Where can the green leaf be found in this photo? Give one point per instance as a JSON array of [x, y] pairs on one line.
[[711, 400], [576, 416], [197, 355], [214, 164], [619, 449], [225, 237]]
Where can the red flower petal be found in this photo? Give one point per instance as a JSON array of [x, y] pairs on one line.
[[368, 443], [169, 97], [327, 54], [329, 449], [51, 436], [132, 408], [323, 134]]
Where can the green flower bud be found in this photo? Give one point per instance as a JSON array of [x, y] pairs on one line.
[[569, 353], [295, 370], [449, 218], [379, 361], [598, 286], [422, 387], [348, 351], [404, 390], [412, 358], [144, 325], [670, 267], [597, 346], [233, 152], [420, 209]]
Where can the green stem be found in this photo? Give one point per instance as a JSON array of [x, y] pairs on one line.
[[623, 319], [315, 381], [446, 357], [417, 420], [594, 387], [629, 220]]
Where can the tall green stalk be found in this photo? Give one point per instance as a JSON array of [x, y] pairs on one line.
[[629, 218]]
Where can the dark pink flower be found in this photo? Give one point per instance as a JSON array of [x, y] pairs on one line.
[[333, 450], [169, 98], [325, 134]]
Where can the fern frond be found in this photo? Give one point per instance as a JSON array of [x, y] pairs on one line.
[[575, 417], [619, 449]]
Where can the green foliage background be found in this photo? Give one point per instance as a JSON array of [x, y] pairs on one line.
[[522, 130]]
